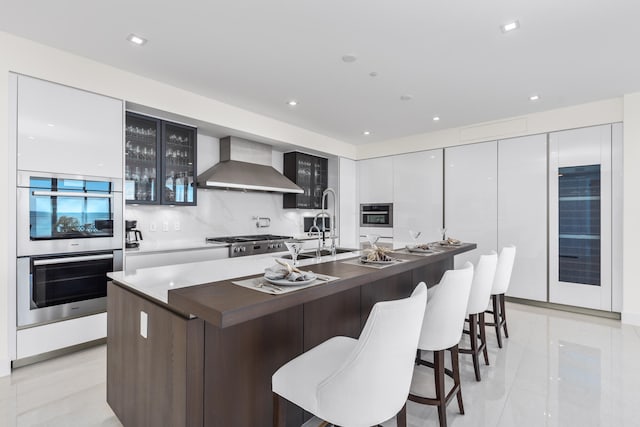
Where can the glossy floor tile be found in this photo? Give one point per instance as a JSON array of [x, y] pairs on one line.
[[557, 369]]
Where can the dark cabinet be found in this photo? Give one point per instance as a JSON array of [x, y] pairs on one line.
[[160, 161], [309, 173]]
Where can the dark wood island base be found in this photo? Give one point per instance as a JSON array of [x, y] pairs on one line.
[[210, 352]]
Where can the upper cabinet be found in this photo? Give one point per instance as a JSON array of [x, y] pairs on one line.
[[417, 195], [68, 131], [471, 197], [160, 162], [310, 173], [375, 180]]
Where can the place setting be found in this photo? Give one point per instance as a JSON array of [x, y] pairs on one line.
[[375, 256], [284, 278]]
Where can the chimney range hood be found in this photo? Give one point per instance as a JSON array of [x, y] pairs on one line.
[[246, 165]]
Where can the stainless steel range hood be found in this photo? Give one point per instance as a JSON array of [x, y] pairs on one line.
[[246, 165]]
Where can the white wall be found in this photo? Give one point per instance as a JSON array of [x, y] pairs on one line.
[[631, 212]]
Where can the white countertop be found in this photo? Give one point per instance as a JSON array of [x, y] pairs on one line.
[[157, 281]]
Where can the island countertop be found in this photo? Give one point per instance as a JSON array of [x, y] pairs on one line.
[[205, 290]]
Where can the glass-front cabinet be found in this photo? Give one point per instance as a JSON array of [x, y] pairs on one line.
[[160, 164], [310, 173]]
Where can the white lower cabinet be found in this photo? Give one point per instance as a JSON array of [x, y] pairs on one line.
[[522, 212], [58, 335], [136, 260], [417, 195], [470, 197]]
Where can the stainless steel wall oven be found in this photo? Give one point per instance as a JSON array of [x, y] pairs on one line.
[[56, 287], [62, 213]]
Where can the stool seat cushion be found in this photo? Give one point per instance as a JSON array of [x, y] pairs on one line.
[[298, 380]]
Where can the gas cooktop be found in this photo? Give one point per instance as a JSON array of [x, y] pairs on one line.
[[251, 245]]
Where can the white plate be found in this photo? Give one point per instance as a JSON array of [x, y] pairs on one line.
[[285, 282], [419, 250], [365, 261]]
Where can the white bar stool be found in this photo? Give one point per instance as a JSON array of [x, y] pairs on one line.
[[357, 383], [499, 289], [478, 301], [441, 330]]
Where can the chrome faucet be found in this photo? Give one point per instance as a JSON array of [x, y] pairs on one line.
[[315, 219], [318, 251], [332, 218]]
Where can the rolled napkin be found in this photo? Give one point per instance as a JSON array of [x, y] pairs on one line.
[[279, 272]]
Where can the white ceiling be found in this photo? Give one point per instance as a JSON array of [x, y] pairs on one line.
[[449, 55]]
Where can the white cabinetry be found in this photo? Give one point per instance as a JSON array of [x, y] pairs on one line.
[[135, 260], [417, 195], [348, 204], [375, 180], [522, 212], [66, 130], [470, 199]]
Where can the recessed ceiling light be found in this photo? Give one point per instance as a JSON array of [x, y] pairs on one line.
[[137, 40], [534, 98], [292, 103], [510, 26], [366, 133], [50, 125], [436, 118], [31, 137], [349, 58], [373, 74], [406, 97]]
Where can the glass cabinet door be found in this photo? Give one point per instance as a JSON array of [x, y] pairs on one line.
[[141, 159], [179, 164]]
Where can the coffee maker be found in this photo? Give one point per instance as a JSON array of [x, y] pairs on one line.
[[132, 234]]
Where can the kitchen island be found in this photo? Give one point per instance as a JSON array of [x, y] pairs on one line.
[[187, 347]]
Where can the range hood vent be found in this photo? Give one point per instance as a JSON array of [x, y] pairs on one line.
[[246, 165]]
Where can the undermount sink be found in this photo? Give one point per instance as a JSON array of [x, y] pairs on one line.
[[323, 252]]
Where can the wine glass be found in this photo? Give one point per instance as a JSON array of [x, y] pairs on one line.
[[414, 235], [294, 248], [443, 231], [373, 239]]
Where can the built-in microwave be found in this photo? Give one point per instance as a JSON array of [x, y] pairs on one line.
[[376, 215]]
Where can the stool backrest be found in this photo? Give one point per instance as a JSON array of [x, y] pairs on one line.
[[503, 270], [446, 310], [375, 378], [482, 283]]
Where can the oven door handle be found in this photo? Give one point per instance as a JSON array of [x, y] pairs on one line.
[[70, 194], [374, 212], [72, 259]]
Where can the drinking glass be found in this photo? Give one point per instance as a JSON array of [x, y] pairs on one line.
[[373, 239], [294, 248], [414, 236]]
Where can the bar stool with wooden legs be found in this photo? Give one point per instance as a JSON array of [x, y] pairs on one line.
[[499, 289], [478, 300], [441, 330], [357, 383]]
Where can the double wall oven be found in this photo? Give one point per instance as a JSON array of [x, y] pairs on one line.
[[69, 235]]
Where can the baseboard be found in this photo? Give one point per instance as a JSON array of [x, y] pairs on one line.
[[631, 318], [5, 367]]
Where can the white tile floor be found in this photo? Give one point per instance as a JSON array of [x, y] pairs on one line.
[[557, 370]]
